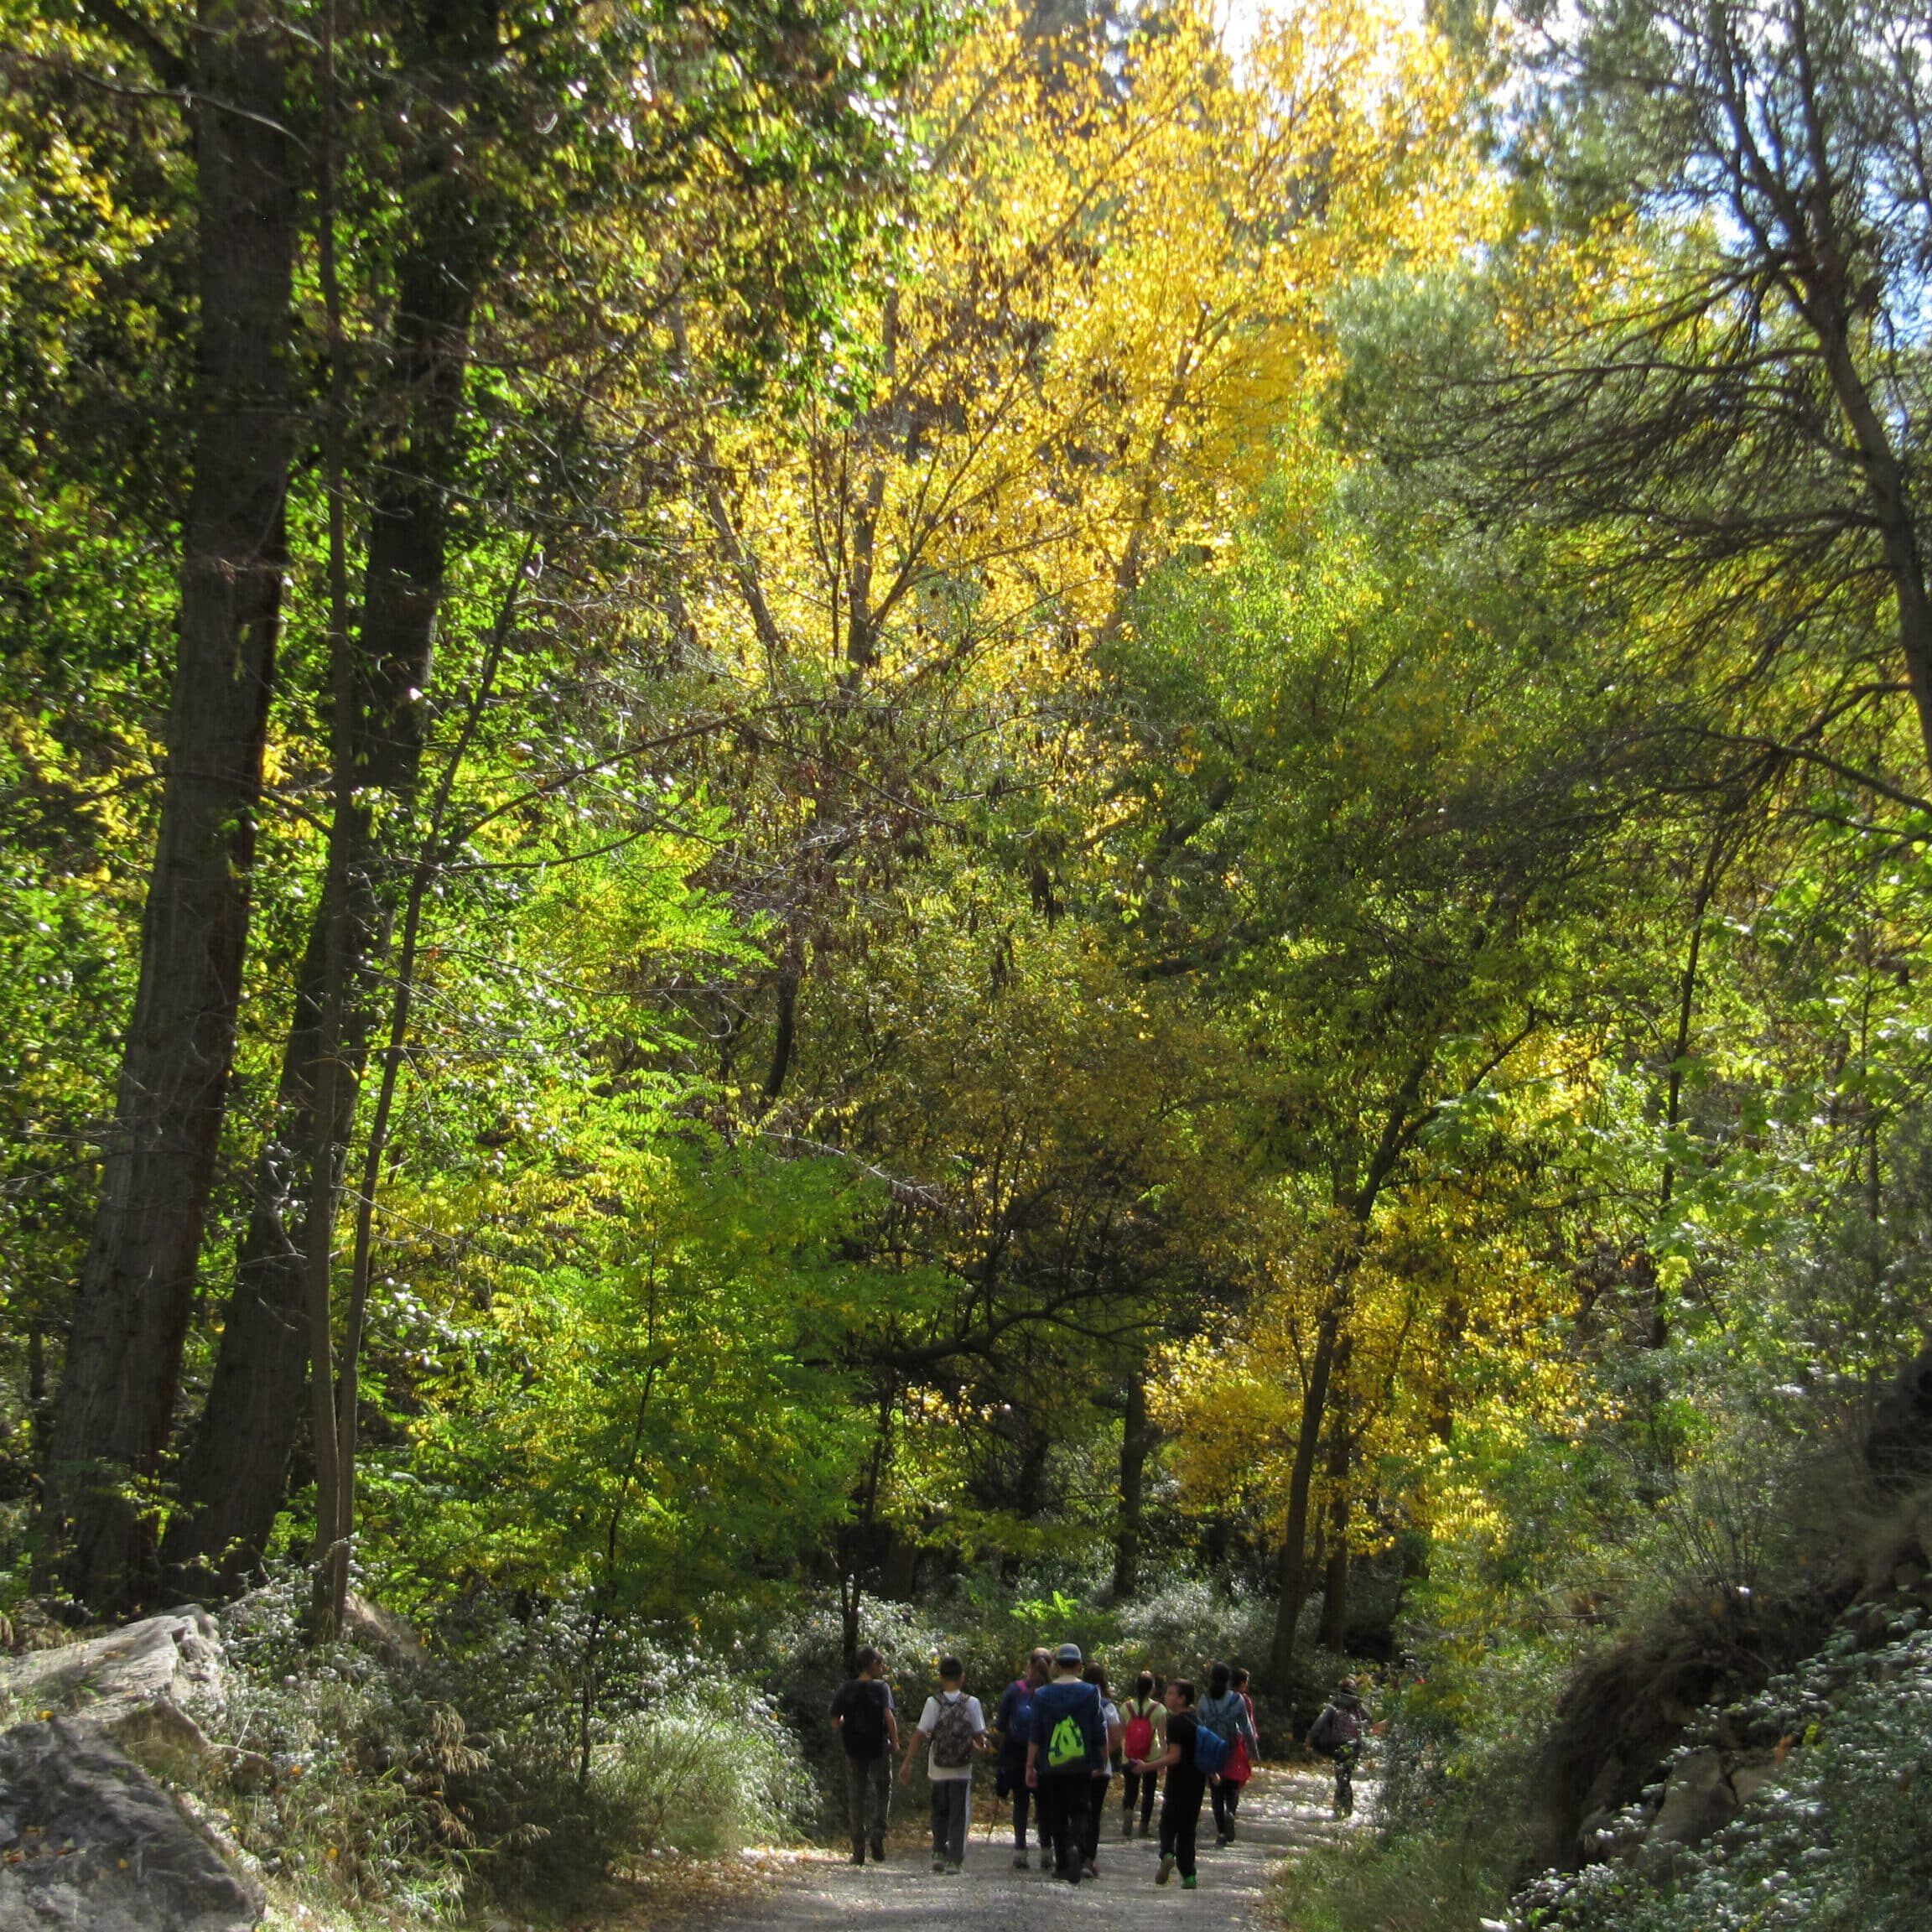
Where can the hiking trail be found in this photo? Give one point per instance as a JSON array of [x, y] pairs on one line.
[[1284, 1811]]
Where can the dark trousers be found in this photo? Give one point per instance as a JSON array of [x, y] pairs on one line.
[[1345, 1758], [1181, 1816], [872, 1775], [1011, 1781], [1064, 1803], [1141, 1786], [1227, 1800], [952, 1812], [1096, 1810]]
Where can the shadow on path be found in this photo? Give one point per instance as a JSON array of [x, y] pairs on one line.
[[1283, 1812]]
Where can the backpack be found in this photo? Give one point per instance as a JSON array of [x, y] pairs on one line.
[[863, 1702], [1018, 1732], [951, 1744], [1333, 1729], [1067, 1745], [1139, 1738], [1321, 1732], [1211, 1751]]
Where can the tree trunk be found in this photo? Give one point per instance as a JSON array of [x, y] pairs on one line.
[[1137, 1441], [1294, 1561], [130, 1315], [1334, 1634], [236, 1475]]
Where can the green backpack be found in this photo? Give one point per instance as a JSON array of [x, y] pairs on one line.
[[1067, 1745]]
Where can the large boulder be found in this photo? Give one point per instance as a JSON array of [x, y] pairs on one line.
[[88, 1839], [90, 1843], [1698, 1800], [177, 1657]]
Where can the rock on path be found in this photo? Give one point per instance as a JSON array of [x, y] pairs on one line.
[[1282, 1812]]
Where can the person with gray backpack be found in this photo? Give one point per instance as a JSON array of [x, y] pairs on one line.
[[954, 1729], [1337, 1734]]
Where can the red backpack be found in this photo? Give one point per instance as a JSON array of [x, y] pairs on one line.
[[1139, 1739]]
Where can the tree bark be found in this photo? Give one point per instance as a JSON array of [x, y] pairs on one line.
[[1334, 1632], [236, 1475], [117, 1402], [1293, 1569], [1137, 1441]]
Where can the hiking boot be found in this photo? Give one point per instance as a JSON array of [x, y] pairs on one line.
[[878, 1851], [1140, 1830], [858, 1854], [1189, 1883], [1228, 1839], [1021, 1862], [941, 1863], [1091, 1868], [1166, 1870]]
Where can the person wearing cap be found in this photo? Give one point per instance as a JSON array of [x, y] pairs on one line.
[[1066, 1758]]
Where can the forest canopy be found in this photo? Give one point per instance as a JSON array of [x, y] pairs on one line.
[[807, 808]]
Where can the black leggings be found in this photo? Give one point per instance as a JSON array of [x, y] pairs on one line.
[[1227, 1799], [1014, 1779], [1140, 1787], [1180, 1817]]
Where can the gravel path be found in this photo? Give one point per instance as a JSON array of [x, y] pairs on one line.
[[1282, 1812]]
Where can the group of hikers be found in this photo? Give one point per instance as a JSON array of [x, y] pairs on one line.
[[1061, 1739]]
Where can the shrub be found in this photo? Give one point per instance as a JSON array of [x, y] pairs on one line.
[[1843, 1845]]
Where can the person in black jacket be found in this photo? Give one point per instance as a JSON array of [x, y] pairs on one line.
[[1185, 1786], [863, 1716]]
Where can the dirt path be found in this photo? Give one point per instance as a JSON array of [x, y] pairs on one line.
[[1283, 1812]]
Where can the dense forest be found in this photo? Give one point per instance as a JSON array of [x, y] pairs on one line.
[[828, 822]]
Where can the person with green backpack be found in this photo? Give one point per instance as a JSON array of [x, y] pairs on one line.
[[1066, 1757]]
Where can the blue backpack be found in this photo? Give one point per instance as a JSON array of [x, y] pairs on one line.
[[1212, 1751], [1019, 1732]]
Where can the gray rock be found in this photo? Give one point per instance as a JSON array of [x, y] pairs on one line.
[[1751, 1773], [90, 1843], [1698, 1800], [366, 1623], [177, 1657]]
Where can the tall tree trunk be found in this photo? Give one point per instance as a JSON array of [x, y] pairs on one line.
[[116, 1402], [1714, 861], [235, 1476], [1137, 1441], [1403, 1120], [1293, 1571], [1334, 1633]]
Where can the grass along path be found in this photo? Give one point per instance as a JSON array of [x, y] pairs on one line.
[[1284, 1811]]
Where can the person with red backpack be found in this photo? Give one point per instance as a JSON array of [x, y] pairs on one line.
[[1145, 1718], [1014, 1722], [954, 1729]]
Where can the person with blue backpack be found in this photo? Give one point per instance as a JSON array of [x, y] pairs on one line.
[[1014, 1722], [1224, 1711], [1066, 1758]]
